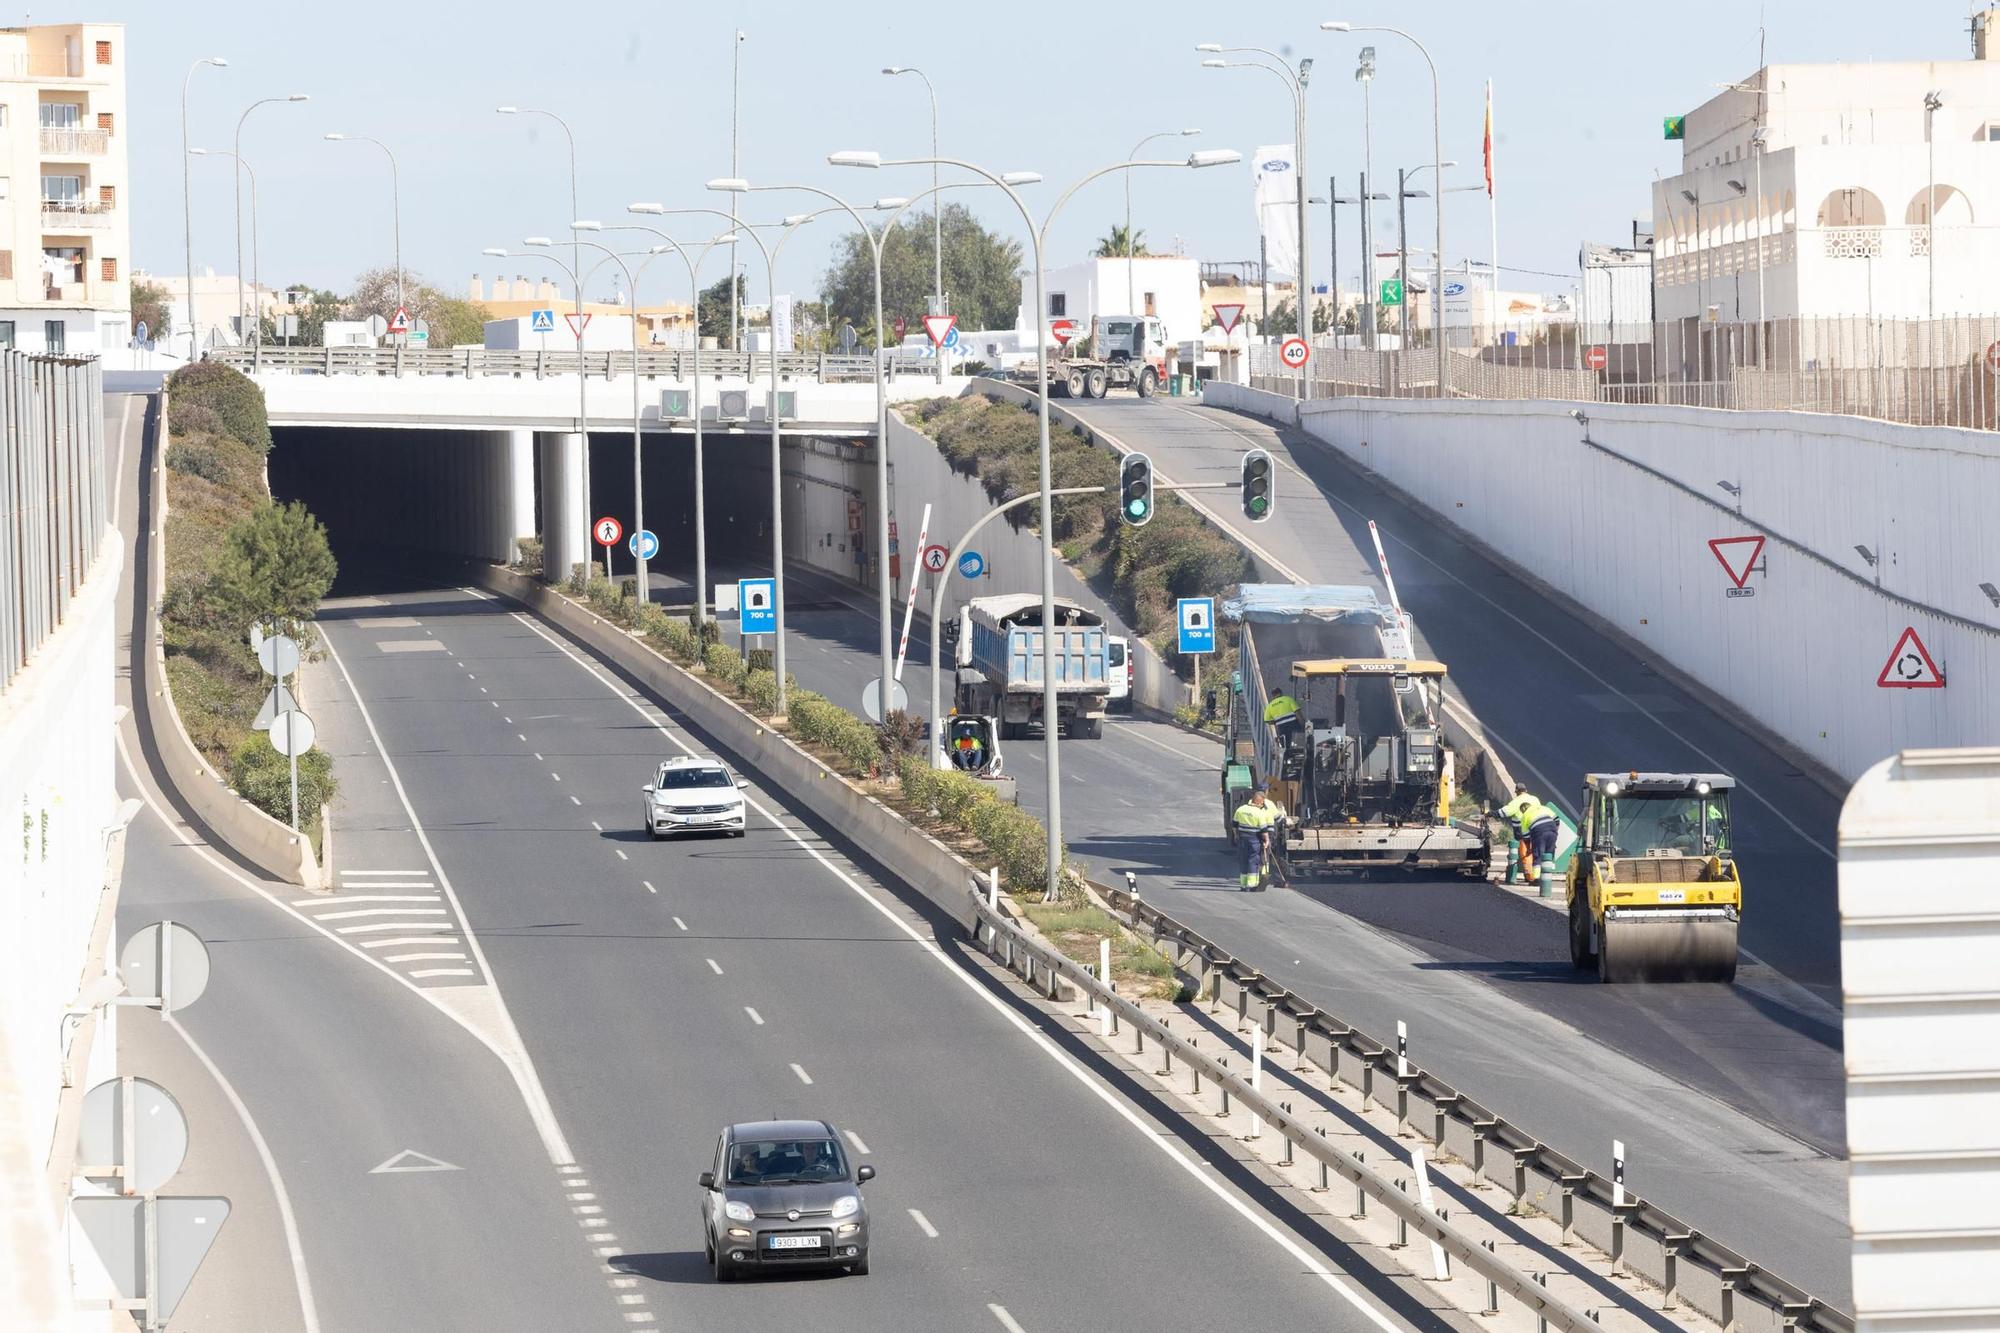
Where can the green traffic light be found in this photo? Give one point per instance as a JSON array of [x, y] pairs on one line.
[[1136, 507], [1258, 504]]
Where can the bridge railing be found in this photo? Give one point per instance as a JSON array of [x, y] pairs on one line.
[[470, 362]]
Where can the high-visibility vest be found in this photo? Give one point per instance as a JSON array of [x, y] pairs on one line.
[[1511, 811], [1250, 816], [1281, 706], [1531, 814]]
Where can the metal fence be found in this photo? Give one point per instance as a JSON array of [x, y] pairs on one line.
[[1942, 372], [53, 498], [471, 362]]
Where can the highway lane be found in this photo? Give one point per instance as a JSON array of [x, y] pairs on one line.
[[338, 1068], [667, 988]]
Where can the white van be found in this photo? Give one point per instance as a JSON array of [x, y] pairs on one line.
[[1119, 661]]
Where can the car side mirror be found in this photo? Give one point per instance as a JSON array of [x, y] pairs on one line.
[[647, 790], [706, 1180], [741, 785], [866, 1173]]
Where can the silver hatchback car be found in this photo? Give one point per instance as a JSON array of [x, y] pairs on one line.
[[780, 1195]]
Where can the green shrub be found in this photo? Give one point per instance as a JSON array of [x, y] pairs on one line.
[[676, 639], [275, 565], [577, 573], [262, 777], [724, 664], [528, 559], [194, 418], [198, 457], [761, 688], [229, 396], [849, 741], [1013, 839]]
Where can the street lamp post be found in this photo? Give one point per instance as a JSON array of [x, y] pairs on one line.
[[395, 200], [576, 249], [937, 213], [1295, 84], [1131, 239], [244, 165], [1437, 162], [241, 314], [187, 193], [1039, 237]]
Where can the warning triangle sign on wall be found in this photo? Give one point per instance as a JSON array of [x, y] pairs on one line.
[[1738, 555], [1910, 666]]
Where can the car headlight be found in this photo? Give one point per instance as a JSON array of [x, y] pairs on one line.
[[847, 1205], [738, 1211]]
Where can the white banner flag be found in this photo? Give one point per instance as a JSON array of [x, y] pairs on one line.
[[781, 323], [1275, 173]]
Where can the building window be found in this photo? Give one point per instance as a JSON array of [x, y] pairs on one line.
[[107, 270], [62, 115], [6, 265], [104, 53], [62, 191], [104, 121], [1058, 305], [7, 334], [52, 335], [1149, 305], [62, 266]]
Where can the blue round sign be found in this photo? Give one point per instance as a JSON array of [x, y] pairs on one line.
[[643, 545], [951, 336], [971, 565]]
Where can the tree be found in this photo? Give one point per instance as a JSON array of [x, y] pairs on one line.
[[712, 311], [1285, 318], [451, 319], [274, 565], [1118, 244], [149, 307], [982, 274]]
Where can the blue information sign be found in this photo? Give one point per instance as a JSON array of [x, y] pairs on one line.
[[971, 565], [757, 604], [541, 321], [643, 545], [1196, 616]]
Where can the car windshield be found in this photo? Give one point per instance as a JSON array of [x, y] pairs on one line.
[[676, 779], [786, 1162]]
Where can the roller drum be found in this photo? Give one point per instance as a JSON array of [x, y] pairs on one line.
[[1667, 946]]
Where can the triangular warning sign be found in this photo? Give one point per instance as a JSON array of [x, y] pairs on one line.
[[411, 1160], [400, 321], [279, 700], [939, 327], [1226, 317], [1738, 555], [1910, 666], [577, 323]]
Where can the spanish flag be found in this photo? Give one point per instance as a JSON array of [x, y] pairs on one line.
[[1489, 138]]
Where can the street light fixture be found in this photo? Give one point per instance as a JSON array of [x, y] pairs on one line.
[[187, 193], [937, 208], [395, 200], [1038, 236], [242, 316], [1131, 240]]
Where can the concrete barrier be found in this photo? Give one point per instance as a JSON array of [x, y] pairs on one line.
[[905, 851], [232, 821]]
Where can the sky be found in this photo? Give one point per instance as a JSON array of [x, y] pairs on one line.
[[1061, 89]]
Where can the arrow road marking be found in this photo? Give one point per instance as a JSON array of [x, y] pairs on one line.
[[410, 1160]]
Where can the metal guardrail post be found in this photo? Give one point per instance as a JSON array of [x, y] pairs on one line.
[[1570, 1185], [1671, 1247]]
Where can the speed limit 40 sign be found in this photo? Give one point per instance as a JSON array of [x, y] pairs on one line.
[[1293, 351]]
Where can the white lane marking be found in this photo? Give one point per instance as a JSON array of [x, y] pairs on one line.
[[580, 1196], [450, 936], [539, 760], [1006, 1320], [355, 874], [461, 666], [649, 886], [516, 1058], [678, 923], [597, 1237], [925, 1223], [482, 690], [599, 827], [755, 1017], [586, 1210], [713, 966], [521, 738], [855, 1139], [300, 1278], [442, 972], [373, 926], [118, 464], [346, 897], [1138, 732], [1170, 1147], [510, 722], [383, 911], [552, 773], [1551, 644], [804, 1077], [621, 853], [424, 957], [470, 676], [322, 901], [573, 800]]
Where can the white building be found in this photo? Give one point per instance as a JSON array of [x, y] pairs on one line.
[[1838, 190], [65, 238], [216, 309], [1166, 287]]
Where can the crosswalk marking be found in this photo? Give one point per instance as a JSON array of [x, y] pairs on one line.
[[381, 911]]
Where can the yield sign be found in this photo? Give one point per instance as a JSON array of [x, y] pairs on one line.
[[400, 321], [1731, 550], [577, 323], [939, 327], [1910, 667], [1227, 316]]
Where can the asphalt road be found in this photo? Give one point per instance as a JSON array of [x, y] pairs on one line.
[[1729, 1098], [665, 989]]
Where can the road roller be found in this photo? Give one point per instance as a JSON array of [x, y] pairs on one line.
[[1655, 893]]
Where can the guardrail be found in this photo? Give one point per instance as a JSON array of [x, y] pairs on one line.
[[471, 362], [1646, 1238]]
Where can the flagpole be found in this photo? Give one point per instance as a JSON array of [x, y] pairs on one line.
[[1492, 209]]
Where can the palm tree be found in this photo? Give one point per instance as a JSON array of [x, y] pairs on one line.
[[1119, 244]]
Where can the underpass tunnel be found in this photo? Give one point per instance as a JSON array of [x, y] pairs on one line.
[[737, 489]]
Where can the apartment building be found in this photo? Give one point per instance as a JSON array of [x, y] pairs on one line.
[[65, 233]]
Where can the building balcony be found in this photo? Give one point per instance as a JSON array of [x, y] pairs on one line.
[[74, 293], [42, 65], [74, 143], [80, 216]]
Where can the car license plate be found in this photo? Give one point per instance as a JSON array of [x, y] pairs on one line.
[[795, 1242]]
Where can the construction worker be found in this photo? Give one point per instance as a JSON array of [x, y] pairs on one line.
[[1283, 715], [1255, 819], [1537, 826], [1511, 812]]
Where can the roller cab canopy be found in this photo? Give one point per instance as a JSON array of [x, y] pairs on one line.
[[1658, 784], [1368, 666]]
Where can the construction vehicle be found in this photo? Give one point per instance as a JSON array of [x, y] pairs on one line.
[[1367, 779], [1123, 352], [999, 647], [1655, 893]]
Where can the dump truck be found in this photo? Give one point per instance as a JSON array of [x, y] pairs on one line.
[[999, 646], [1655, 893], [1367, 779], [1125, 352]]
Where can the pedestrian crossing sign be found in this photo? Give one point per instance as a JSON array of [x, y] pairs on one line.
[[542, 321]]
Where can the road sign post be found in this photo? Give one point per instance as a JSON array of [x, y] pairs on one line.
[[607, 530], [910, 605], [1294, 352], [291, 736]]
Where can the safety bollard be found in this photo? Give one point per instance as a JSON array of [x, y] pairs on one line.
[[1513, 862], [1545, 878]]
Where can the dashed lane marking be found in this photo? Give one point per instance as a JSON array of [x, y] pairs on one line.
[[925, 1223], [804, 1077]]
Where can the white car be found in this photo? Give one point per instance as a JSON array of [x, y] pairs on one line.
[[1119, 655], [693, 796]]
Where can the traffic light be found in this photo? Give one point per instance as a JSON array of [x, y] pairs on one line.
[[1135, 490], [1257, 493]]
